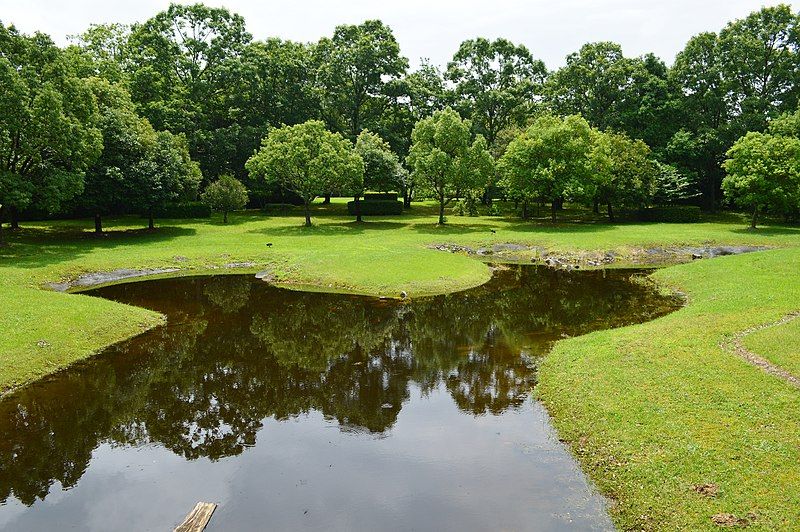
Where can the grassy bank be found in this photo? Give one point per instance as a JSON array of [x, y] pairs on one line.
[[780, 345], [651, 410], [657, 410]]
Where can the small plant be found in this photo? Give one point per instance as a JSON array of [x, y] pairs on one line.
[[494, 210]]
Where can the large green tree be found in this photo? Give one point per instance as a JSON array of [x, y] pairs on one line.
[[48, 124], [128, 143], [168, 175], [759, 62], [613, 91], [446, 162], [496, 83], [354, 68], [623, 173], [176, 65], [309, 160], [763, 172], [549, 161]]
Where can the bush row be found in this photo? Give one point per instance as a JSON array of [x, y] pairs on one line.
[[189, 209], [385, 196]]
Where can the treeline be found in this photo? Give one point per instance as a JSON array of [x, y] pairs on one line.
[[135, 117]]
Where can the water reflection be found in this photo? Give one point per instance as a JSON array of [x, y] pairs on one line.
[[237, 353]]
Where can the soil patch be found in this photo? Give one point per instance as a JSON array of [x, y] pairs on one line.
[[659, 256]]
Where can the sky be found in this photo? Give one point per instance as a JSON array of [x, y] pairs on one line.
[[429, 28]]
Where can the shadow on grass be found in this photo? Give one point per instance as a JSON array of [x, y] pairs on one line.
[[332, 229], [45, 246], [767, 231]]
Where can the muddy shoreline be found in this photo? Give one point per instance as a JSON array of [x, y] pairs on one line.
[[636, 257]]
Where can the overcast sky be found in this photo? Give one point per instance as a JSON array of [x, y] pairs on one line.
[[430, 28]]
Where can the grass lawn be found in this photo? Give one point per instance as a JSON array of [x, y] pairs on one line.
[[780, 345], [651, 410]]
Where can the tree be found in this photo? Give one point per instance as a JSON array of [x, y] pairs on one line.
[[176, 62], [48, 124], [613, 91], [496, 82], [354, 67], [763, 171], [382, 170], [408, 100], [445, 163], [128, 142], [700, 144], [759, 61], [594, 83], [167, 176], [104, 48], [549, 161], [622, 171], [307, 159], [225, 194], [672, 186]]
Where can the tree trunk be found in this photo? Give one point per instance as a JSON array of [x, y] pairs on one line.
[[755, 218], [441, 210], [308, 213], [554, 210], [2, 236], [524, 210], [596, 209], [224, 217], [14, 218], [327, 199], [150, 223], [610, 212], [98, 224], [358, 207]]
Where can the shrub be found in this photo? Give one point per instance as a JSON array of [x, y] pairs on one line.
[[494, 210], [376, 207], [189, 209], [468, 206], [278, 208], [380, 196], [672, 213]]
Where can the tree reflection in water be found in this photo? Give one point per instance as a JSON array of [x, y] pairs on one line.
[[236, 352]]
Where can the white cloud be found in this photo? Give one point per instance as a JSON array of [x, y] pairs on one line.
[[428, 28]]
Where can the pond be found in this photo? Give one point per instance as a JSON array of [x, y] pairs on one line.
[[316, 411]]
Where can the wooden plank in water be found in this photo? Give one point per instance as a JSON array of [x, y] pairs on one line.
[[198, 518]]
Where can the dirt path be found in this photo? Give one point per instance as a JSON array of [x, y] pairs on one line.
[[736, 347]]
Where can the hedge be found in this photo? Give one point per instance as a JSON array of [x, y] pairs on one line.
[[376, 207], [671, 213], [277, 208], [191, 209], [380, 196]]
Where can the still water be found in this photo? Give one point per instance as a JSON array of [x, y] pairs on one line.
[[296, 410]]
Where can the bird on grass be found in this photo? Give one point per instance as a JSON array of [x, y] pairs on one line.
[[269, 244], [493, 231]]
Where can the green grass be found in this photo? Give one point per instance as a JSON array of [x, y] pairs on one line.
[[780, 345], [655, 409], [651, 410]]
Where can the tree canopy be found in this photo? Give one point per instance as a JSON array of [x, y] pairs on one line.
[[49, 132], [446, 162], [550, 161], [308, 159]]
